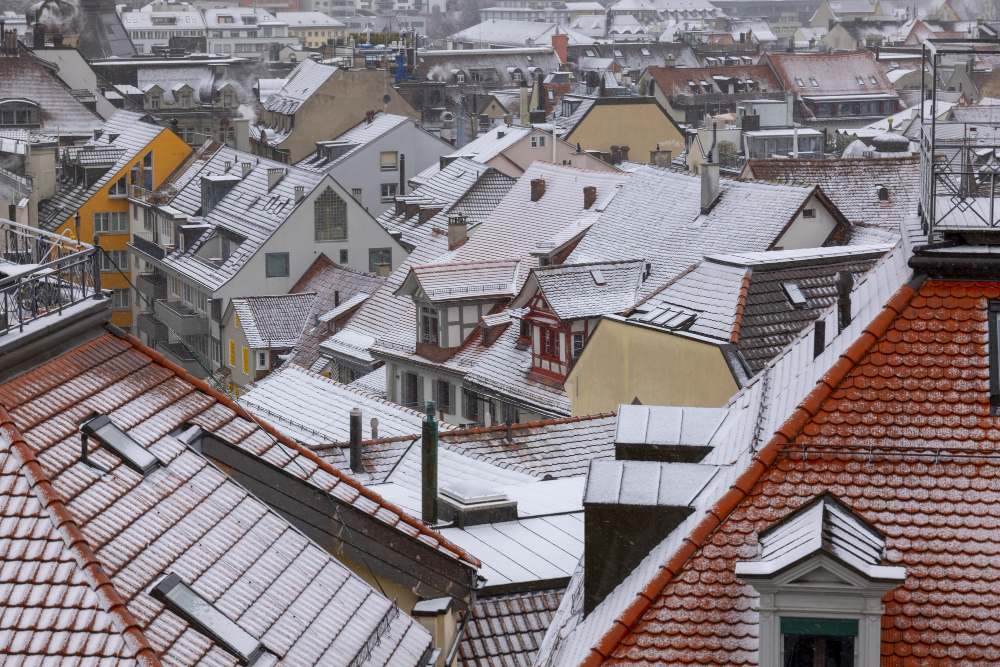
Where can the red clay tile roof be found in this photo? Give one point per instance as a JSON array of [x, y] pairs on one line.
[[900, 430], [117, 532], [674, 80]]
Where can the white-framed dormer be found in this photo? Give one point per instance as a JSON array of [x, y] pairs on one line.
[[820, 578]]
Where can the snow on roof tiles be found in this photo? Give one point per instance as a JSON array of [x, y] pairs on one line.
[[307, 77], [273, 322], [353, 140], [187, 517], [508, 628], [576, 291]]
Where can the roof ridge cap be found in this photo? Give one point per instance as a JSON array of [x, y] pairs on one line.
[[266, 426], [74, 540], [744, 483]]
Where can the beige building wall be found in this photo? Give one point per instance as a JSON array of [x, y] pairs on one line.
[[517, 158], [624, 362], [339, 105], [313, 37], [641, 127]]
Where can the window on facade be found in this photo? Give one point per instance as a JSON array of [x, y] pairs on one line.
[[276, 265], [508, 413], [262, 360], [388, 191], [121, 299], [808, 213], [538, 141], [113, 222], [429, 326], [153, 101], [119, 188], [356, 193], [330, 216], [525, 331], [114, 261], [470, 407], [806, 642], [18, 113], [409, 389], [578, 340], [444, 396], [388, 160], [550, 342], [378, 257]]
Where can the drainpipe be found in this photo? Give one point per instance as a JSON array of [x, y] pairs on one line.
[[429, 466]]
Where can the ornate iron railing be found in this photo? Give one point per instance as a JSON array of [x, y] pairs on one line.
[[42, 274]]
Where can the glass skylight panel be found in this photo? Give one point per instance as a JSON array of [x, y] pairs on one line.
[[111, 437], [189, 605], [794, 294]]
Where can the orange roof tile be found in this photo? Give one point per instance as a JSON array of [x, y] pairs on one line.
[[900, 430]]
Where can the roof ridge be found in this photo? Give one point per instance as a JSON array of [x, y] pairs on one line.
[[265, 426], [75, 541], [743, 485]]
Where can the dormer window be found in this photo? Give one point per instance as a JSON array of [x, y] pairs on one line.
[[430, 324], [821, 578]]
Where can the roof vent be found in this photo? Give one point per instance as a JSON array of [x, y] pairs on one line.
[[794, 295], [132, 454], [470, 504], [666, 433]]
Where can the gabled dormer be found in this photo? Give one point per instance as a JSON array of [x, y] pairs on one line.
[[452, 298]]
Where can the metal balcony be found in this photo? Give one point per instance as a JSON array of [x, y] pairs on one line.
[[180, 355], [154, 329], [152, 285], [180, 318]]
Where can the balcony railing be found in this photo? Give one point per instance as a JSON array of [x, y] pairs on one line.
[[147, 247], [184, 357], [42, 274], [181, 318], [152, 285]]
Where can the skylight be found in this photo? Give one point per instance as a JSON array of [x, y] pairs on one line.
[[814, 82], [189, 605], [598, 277], [860, 79], [794, 295], [873, 80], [799, 82], [132, 454]]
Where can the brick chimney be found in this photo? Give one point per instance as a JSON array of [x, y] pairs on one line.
[[537, 188], [589, 196], [560, 44]]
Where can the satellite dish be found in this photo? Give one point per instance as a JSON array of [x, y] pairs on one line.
[[386, 99]]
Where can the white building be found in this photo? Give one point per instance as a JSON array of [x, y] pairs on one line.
[[156, 23], [244, 31]]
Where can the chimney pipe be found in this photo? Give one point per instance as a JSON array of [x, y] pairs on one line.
[[429, 466], [589, 196], [374, 426], [537, 188], [709, 185], [245, 169], [274, 176], [300, 193], [845, 283], [356, 440]]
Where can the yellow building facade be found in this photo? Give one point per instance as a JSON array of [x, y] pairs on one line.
[[104, 216]]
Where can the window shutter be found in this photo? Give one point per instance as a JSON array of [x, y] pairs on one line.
[[246, 360], [232, 351]]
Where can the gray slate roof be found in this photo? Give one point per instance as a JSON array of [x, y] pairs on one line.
[[576, 291], [351, 141], [31, 78], [274, 322], [507, 629], [304, 80], [741, 298], [657, 217]]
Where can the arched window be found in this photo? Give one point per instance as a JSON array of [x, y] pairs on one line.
[[330, 216], [23, 113]]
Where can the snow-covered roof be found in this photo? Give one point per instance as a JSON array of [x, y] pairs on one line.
[[575, 291], [307, 77], [517, 33], [333, 152], [273, 322], [308, 20]]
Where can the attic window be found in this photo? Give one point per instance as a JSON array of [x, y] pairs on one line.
[[860, 79], [644, 51], [799, 82], [872, 79], [132, 454], [618, 53], [598, 277], [589, 53], [813, 82], [192, 607], [794, 295]]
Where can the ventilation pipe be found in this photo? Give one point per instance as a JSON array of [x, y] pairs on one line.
[[429, 466]]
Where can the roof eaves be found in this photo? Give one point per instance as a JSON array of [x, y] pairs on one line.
[[743, 485], [206, 388]]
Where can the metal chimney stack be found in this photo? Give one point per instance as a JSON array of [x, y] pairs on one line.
[[429, 466]]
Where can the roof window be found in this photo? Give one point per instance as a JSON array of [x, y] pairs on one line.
[[860, 79], [794, 295], [598, 277], [872, 79], [132, 454], [192, 607], [799, 82], [813, 82]]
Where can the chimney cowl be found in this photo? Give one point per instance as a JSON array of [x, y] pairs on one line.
[[537, 188]]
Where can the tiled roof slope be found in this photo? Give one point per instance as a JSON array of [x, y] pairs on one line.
[[307, 77], [188, 517], [273, 321], [550, 448], [26, 76], [330, 282], [657, 217], [741, 298], [674, 80], [506, 630], [900, 431], [760, 409], [852, 184], [48, 605], [113, 357], [357, 136], [575, 291], [835, 73]]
